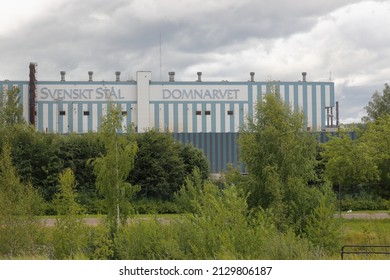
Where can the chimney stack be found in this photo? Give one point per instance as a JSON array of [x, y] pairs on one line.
[[304, 76], [118, 76], [171, 76], [252, 76], [62, 76], [199, 76]]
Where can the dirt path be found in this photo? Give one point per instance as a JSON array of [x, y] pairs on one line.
[[50, 222]]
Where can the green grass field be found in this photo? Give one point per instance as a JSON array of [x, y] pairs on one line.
[[367, 232]]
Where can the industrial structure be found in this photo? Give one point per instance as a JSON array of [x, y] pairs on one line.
[[207, 114]]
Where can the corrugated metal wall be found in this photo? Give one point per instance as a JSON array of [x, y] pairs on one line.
[[221, 149]]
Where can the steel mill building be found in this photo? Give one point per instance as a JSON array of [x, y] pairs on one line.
[[204, 113]]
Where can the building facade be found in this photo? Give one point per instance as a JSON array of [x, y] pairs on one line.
[[196, 107]]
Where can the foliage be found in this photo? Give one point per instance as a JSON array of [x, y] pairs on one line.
[[377, 135], [99, 244], [69, 236], [322, 229], [11, 110], [190, 197], [36, 158], [158, 167], [155, 206], [222, 228], [20, 229], [379, 106], [112, 169], [349, 162], [281, 159], [194, 158], [75, 150]]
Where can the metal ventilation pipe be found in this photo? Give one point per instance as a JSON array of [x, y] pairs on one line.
[[62, 73], [90, 74], [252, 76], [304, 76], [199, 76], [171, 76], [118, 76]]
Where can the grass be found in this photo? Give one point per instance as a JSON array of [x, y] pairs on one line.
[[366, 232]]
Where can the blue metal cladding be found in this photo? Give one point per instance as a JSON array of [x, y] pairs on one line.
[[221, 149]]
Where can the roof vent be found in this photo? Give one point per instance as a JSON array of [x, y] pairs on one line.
[[252, 76], [90, 74], [62, 73], [199, 76], [171, 76], [118, 76], [304, 76]]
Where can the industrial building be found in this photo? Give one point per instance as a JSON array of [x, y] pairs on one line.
[[207, 114]]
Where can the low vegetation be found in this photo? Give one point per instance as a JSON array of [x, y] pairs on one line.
[[283, 209]]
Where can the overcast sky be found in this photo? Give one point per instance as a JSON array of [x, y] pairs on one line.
[[346, 41]]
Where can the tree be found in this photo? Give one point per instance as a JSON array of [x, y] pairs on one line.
[[159, 167], [376, 140], [348, 162], [11, 111], [113, 168], [69, 237], [379, 105], [75, 150], [280, 157], [194, 158], [36, 158], [19, 205]]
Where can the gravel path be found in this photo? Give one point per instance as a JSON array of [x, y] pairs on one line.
[[377, 215]]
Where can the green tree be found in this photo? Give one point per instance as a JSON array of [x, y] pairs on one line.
[[11, 110], [113, 168], [281, 158], [36, 157], [20, 230], [75, 150], [69, 235], [379, 105], [194, 158], [348, 162], [322, 229], [377, 145], [159, 167]]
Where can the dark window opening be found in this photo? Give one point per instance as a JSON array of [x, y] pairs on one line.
[[207, 113], [86, 113], [198, 113], [62, 113], [124, 113], [230, 113]]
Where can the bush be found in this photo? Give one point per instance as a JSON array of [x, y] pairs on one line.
[[155, 206], [364, 201]]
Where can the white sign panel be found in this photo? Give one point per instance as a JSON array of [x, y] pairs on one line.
[[86, 92], [199, 93]]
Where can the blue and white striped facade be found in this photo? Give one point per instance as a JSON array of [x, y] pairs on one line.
[[179, 107], [206, 114]]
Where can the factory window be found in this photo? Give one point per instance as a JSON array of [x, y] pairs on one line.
[[207, 113], [124, 113], [198, 113], [86, 113], [62, 113], [230, 113]]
